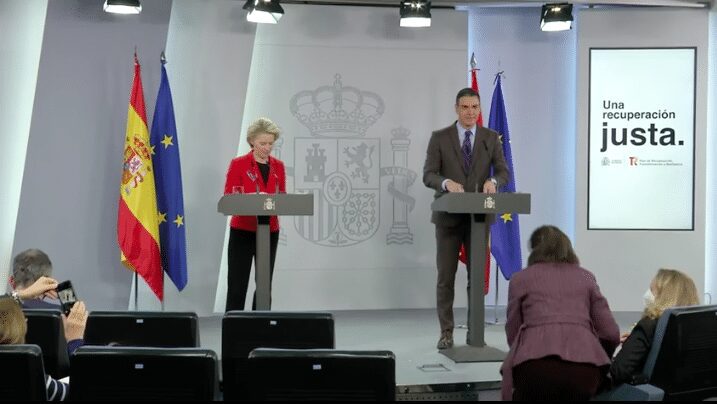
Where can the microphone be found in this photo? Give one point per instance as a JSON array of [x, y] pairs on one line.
[[256, 186], [276, 183]]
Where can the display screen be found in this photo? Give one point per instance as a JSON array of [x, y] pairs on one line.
[[641, 139]]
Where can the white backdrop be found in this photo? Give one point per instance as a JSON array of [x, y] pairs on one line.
[[370, 245], [624, 262]]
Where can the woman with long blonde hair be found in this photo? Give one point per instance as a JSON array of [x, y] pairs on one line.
[[669, 288]]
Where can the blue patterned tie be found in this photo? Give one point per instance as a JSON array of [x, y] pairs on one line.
[[466, 148]]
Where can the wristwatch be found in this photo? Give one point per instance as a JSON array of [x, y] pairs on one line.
[[494, 181], [16, 296]]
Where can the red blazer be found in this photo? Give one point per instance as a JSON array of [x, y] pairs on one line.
[[244, 171]]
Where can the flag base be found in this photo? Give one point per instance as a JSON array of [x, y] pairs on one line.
[[468, 353]]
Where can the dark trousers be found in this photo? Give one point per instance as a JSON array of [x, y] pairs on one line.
[[241, 252], [553, 379], [448, 245]]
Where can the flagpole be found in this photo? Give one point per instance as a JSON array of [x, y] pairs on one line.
[[136, 292], [164, 278], [497, 290]]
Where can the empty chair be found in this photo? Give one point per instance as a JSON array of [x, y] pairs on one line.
[[137, 328], [321, 375], [45, 329], [682, 362], [244, 331], [141, 373], [23, 376]]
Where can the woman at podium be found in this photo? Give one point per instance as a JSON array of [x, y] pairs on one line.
[[254, 172]]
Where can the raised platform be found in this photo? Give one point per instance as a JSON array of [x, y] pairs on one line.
[[422, 373]]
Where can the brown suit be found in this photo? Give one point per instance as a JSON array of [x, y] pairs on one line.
[[444, 160]]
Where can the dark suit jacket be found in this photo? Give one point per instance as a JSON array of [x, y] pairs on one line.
[[444, 160], [630, 361]]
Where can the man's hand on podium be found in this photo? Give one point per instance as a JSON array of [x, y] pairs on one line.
[[452, 186]]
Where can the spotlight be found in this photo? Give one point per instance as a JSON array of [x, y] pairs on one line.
[[263, 11], [556, 17], [122, 6], [415, 13]]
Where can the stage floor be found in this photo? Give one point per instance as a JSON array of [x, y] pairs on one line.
[[411, 334]]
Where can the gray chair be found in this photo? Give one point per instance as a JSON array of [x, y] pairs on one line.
[[321, 375], [45, 329], [243, 331], [145, 374], [682, 362], [143, 328], [23, 377]]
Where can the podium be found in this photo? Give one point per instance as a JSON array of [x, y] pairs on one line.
[[265, 205], [478, 205]]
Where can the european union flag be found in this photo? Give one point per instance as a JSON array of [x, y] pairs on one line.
[[168, 179], [505, 232]]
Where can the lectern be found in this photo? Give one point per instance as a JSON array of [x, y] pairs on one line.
[[265, 205], [478, 205]]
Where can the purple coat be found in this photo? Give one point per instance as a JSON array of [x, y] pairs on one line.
[[557, 309]]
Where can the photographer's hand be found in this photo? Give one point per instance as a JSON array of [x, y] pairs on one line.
[[75, 322], [44, 286]]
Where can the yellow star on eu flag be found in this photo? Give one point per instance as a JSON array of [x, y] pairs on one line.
[[167, 141], [179, 221], [507, 217], [162, 217]]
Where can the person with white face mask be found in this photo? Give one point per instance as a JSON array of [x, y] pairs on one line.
[[669, 288], [648, 297]]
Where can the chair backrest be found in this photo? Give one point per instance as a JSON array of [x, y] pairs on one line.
[[683, 358], [140, 373], [23, 377], [321, 375], [242, 332], [143, 328], [45, 329]]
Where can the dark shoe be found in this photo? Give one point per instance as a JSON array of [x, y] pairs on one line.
[[446, 340]]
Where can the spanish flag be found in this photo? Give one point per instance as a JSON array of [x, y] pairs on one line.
[[137, 221]]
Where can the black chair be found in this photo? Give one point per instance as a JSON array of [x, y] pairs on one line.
[[141, 373], [45, 329], [23, 376], [682, 362], [321, 375], [243, 331], [148, 329]]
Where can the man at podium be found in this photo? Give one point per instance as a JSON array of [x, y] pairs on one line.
[[459, 159], [254, 172]]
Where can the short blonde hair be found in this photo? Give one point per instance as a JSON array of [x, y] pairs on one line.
[[672, 288], [12, 322], [262, 125]]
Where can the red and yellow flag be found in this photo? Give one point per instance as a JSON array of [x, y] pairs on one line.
[[137, 221]]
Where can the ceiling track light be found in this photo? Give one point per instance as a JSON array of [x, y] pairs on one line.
[[415, 13], [556, 17], [122, 6], [263, 11]]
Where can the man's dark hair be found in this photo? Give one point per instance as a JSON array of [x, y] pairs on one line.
[[467, 92], [29, 265]]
